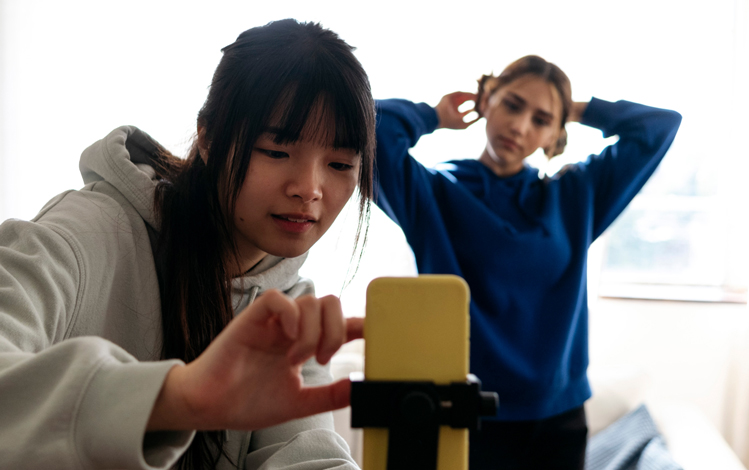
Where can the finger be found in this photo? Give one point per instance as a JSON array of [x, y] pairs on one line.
[[464, 110], [309, 329], [472, 121], [460, 97], [333, 332], [460, 124], [314, 400], [354, 328], [274, 303]]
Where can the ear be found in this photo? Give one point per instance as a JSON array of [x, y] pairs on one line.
[[483, 104], [202, 144]]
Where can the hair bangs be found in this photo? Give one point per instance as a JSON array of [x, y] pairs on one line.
[[324, 104]]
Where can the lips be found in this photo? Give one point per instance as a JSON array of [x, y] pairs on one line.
[[508, 143], [293, 219], [294, 223]]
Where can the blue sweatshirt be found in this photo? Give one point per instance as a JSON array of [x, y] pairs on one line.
[[520, 242]]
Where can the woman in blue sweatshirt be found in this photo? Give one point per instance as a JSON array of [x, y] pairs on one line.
[[520, 241]]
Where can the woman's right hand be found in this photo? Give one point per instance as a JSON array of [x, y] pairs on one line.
[[249, 377], [447, 110]]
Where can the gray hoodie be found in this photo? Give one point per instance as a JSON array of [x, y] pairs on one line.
[[80, 332]]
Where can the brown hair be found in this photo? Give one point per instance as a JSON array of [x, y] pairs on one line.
[[284, 70], [538, 67]]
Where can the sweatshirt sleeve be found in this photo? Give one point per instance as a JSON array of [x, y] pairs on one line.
[[618, 173], [303, 444], [68, 403], [402, 183]]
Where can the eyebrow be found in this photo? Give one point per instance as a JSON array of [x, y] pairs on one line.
[[522, 101], [517, 97], [272, 132]]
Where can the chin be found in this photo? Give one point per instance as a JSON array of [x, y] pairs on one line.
[[288, 252]]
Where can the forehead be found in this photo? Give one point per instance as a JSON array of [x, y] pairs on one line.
[[318, 128], [537, 93]]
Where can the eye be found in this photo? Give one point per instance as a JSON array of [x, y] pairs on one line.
[[275, 154], [541, 122], [512, 106], [341, 166]]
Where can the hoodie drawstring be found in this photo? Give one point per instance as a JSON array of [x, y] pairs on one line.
[[253, 294]]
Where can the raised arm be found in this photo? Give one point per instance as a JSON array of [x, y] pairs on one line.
[[618, 173], [403, 184]]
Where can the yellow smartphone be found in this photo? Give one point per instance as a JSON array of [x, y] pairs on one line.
[[417, 329]]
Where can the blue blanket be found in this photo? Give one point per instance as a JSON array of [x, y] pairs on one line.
[[631, 443]]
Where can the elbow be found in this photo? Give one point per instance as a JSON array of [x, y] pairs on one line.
[[670, 122], [675, 119]]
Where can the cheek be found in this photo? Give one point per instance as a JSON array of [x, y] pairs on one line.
[[250, 198], [341, 192], [495, 121], [490, 126], [243, 210]]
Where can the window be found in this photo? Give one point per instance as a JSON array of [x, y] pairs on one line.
[[685, 236]]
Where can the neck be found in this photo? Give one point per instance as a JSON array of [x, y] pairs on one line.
[[500, 168], [247, 261], [247, 267]]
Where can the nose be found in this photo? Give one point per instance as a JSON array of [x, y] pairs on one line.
[[305, 183], [520, 124]]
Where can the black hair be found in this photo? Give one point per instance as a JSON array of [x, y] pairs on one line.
[[281, 75]]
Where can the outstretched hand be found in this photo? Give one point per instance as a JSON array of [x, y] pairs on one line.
[[447, 110], [249, 376]]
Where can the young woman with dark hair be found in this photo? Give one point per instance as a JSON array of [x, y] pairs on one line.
[[164, 297], [520, 241]]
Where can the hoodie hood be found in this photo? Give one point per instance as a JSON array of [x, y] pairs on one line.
[[124, 159], [272, 272]]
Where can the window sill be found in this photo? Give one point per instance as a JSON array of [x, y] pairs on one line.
[[671, 292]]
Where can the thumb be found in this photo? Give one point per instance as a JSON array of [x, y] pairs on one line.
[[314, 400], [354, 328]]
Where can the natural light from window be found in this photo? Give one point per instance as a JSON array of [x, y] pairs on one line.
[[72, 71]]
